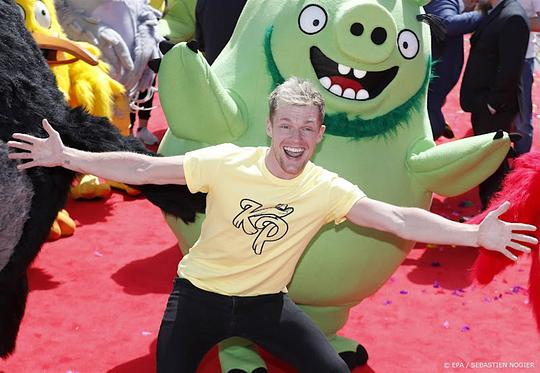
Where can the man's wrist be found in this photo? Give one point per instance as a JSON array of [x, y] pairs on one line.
[[476, 241], [67, 158]]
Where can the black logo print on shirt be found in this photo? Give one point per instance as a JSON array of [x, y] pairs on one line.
[[268, 223]]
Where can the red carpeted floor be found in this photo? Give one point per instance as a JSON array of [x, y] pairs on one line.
[[97, 298]]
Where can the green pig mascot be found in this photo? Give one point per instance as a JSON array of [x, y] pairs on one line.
[[371, 61]]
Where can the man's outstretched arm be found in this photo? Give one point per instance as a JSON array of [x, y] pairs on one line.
[[420, 225], [125, 167]]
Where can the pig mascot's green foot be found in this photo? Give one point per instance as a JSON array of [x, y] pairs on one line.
[[354, 354], [330, 319], [371, 61], [238, 355]]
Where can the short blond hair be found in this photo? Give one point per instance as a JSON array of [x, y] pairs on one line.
[[298, 92]]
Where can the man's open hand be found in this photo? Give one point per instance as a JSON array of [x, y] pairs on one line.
[[497, 235], [41, 152]]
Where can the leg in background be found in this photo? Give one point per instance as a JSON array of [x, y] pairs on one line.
[[523, 120]]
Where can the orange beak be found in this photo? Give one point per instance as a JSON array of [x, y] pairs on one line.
[[60, 51]]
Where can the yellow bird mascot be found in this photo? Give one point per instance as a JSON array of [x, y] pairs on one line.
[[84, 80]]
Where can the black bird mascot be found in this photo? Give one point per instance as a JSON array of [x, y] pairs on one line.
[[30, 200]]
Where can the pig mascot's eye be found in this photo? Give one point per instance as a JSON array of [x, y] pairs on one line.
[[312, 19], [408, 44]]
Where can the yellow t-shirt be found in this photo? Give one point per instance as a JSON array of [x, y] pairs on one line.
[[257, 225]]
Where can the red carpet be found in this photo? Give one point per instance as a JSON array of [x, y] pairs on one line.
[[97, 298]]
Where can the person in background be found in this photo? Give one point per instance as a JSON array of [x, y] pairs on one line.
[[491, 83], [524, 120], [459, 18]]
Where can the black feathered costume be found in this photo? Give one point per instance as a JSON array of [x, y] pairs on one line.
[[30, 200]]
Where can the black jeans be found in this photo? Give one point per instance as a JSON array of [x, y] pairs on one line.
[[195, 320]]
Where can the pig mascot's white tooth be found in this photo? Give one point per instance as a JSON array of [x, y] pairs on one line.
[[359, 73], [349, 93], [325, 82], [336, 89], [344, 70], [362, 95]]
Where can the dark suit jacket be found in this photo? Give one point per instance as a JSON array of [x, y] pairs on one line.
[[448, 54], [214, 24], [493, 71]]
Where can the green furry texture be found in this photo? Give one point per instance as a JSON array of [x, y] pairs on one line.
[[357, 128], [277, 78]]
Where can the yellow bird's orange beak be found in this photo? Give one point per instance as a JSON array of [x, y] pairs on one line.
[[60, 51]]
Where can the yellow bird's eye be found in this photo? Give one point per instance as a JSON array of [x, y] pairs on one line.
[[21, 11], [42, 15]]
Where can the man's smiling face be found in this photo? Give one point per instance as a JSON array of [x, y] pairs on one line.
[[295, 132]]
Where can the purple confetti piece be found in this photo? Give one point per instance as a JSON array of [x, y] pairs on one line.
[[445, 324], [435, 264], [526, 301], [487, 299], [457, 293], [387, 302], [403, 292], [146, 334], [465, 328], [436, 284], [516, 289], [98, 254]]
